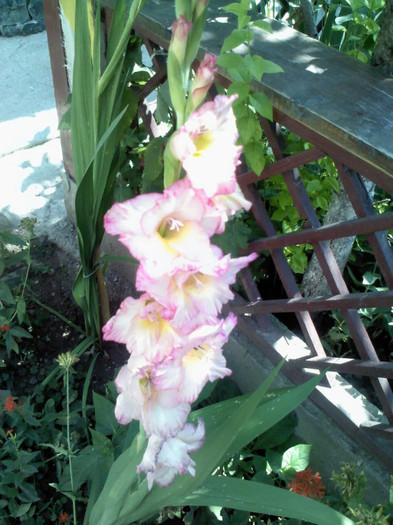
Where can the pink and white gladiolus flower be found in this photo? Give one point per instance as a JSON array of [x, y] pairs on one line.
[[164, 458], [206, 147], [140, 397], [228, 204], [144, 326], [199, 361], [195, 293], [158, 229]]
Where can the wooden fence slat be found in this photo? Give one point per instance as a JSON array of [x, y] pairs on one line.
[[348, 366], [319, 304], [326, 232]]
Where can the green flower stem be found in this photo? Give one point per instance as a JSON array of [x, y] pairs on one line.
[[66, 361], [69, 449], [24, 285], [102, 289]]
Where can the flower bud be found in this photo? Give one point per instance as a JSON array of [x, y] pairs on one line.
[[180, 29], [202, 82]]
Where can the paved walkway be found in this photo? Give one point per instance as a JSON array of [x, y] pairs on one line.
[[31, 168]]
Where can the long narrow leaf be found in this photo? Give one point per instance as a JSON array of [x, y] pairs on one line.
[[117, 25], [85, 391], [136, 6], [82, 108], [85, 199], [261, 498], [271, 412], [121, 480]]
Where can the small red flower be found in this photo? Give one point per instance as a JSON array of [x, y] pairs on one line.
[[4, 328], [64, 517], [9, 432], [307, 484], [10, 404]]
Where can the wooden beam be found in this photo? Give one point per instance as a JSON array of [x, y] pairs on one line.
[[348, 301], [348, 366], [336, 230]]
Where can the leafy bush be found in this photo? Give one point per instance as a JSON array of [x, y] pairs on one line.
[[15, 264]]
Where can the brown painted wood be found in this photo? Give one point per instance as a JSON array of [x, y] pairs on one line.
[[330, 268], [59, 74], [337, 152], [340, 302], [349, 366], [347, 102], [327, 232], [56, 53], [291, 288], [361, 202], [284, 164], [381, 430]]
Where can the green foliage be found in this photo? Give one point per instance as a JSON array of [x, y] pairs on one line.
[[351, 26], [102, 108], [18, 463], [134, 139], [243, 69], [15, 265], [25, 426], [153, 166], [235, 236], [351, 484]]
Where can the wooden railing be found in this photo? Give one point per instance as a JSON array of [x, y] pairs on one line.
[[345, 110]]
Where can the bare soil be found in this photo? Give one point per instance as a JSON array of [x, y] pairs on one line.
[[54, 316]]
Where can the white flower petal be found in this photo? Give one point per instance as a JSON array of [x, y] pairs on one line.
[[206, 147], [163, 459]]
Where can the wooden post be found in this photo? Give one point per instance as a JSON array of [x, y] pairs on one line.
[[59, 74]]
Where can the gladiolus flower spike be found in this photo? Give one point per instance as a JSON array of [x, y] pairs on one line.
[[173, 331]]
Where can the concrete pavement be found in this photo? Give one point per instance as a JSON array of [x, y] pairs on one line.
[[31, 167]]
